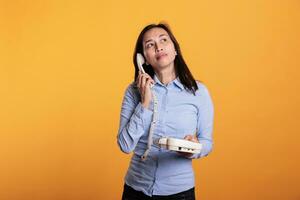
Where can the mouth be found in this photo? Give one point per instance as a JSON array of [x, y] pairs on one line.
[[159, 56]]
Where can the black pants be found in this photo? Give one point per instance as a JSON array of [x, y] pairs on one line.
[[130, 194]]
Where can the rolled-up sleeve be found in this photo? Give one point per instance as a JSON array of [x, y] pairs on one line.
[[133, 120], [205, 122]]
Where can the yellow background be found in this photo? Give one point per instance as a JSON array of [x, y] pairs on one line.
[[64, 67]]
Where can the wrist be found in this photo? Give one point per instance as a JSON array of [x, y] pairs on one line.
[[145, 105]]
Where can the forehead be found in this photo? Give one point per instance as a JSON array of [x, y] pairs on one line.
[[153, 33]]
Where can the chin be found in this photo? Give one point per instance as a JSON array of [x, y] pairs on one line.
[[164, 64]]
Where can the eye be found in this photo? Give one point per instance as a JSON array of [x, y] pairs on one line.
[[149, 45], [164, 39]]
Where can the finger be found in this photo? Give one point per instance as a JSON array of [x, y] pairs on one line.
[[143, 81], [191, 138], [151, 80], [148, 77], [148, 83], [194, 139], [139, 80], [188, 137]]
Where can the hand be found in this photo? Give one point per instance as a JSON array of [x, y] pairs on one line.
[[143, 84], [191, 138]]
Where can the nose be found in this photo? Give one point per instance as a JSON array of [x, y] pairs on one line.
[[158, 48]]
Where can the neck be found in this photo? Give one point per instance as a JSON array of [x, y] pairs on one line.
[[166, 75]]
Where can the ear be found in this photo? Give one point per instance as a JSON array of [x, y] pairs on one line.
[[175, 52]]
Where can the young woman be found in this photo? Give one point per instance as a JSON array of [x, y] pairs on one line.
[[184, 110]]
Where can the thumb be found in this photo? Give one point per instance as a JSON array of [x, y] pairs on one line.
[[188, 137]]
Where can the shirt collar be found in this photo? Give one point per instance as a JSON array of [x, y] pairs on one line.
[[175, 82]]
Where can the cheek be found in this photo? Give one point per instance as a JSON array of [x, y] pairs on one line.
[[149, 56], [171, 49], [171, 53]]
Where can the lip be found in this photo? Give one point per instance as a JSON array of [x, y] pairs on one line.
[[160, 55]]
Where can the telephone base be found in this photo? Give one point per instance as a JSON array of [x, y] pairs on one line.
[[179, 145]]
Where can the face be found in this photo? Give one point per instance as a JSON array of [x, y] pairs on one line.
[[159, 49]]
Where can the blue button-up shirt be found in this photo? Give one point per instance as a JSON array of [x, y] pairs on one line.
[[180, 113]]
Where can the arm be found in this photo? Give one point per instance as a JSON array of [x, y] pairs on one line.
[[204, 122], [133, 120]]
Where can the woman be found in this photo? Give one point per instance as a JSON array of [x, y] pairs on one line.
[[185, 111]]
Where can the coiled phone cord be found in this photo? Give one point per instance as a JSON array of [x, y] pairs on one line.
[[154, 121]]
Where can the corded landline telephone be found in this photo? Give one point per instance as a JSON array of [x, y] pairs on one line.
[[174, 144]]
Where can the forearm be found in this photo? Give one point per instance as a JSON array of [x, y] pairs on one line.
[[133, 127]]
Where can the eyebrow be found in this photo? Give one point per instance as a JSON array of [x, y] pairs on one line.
[[158, 36], [162, 35]]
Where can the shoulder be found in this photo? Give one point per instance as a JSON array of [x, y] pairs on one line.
[[202, 89], [132, 91], [131, 87]]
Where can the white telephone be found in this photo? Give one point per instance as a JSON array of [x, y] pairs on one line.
[[179, 145], [173, 144]]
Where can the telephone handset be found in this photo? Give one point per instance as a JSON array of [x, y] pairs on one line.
[[140, 61]]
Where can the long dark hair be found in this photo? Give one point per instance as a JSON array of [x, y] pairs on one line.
[[181, 68]]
